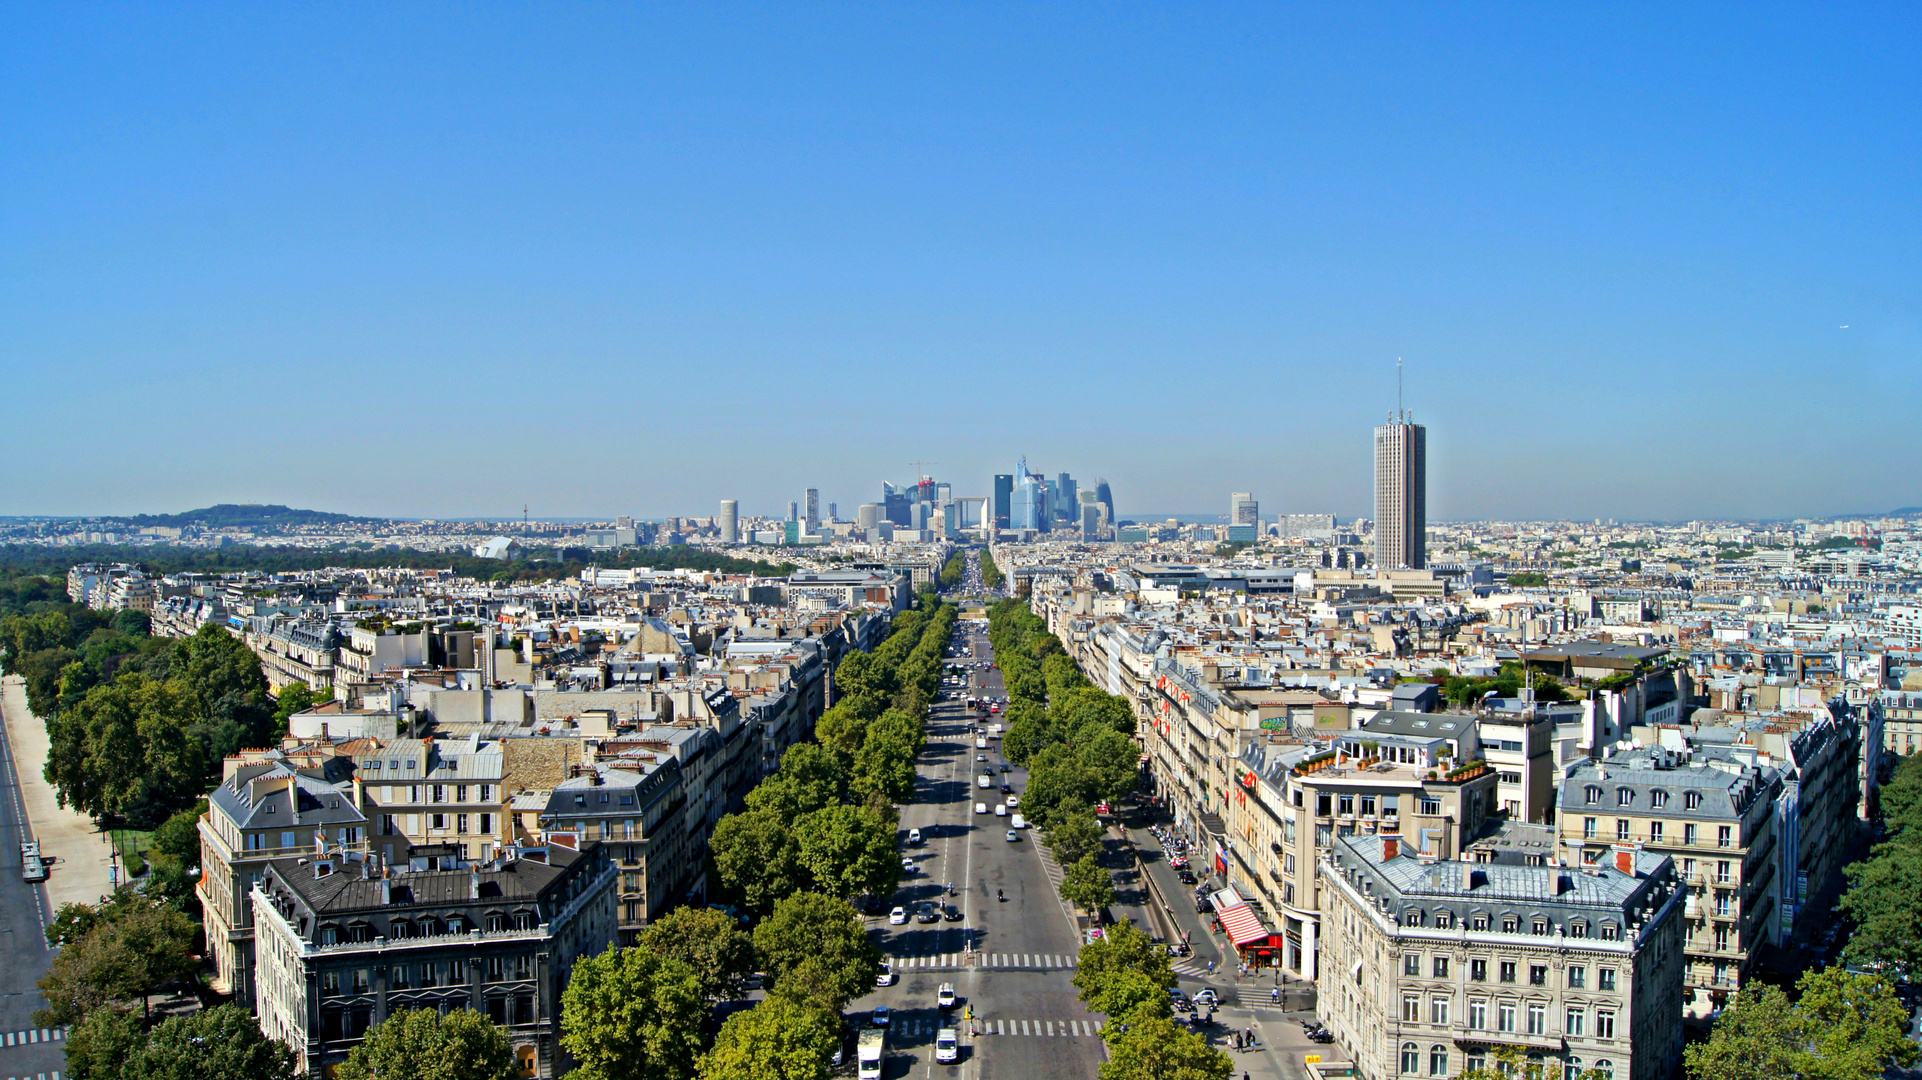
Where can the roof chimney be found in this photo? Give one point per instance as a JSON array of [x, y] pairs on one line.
[[1391, 847], [1625, 860]]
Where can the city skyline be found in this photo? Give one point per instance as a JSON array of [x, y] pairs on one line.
[[1677, 242]]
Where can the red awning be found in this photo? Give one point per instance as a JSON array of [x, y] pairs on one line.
[[1243, 925]]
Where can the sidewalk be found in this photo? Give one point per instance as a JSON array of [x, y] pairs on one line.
[[82, 852]]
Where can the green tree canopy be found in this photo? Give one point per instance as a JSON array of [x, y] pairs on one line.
[[222, 1043], [849, 850], [827, 932], [1073, 837], [1087, 884], [1156, 1048], [1103, 966], [421, 1044], [779, 1039], [632, 1014], [129, 950], [709, 942], [759, 858], [1843, 1026]]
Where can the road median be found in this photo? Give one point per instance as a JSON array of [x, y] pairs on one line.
[[83, 856]]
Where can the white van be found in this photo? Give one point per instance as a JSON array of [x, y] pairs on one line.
[[981, 743], [1000, 811], [980, 808], [1018, 821], [985, 781]]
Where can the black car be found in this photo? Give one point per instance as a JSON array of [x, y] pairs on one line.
[[1202, 903], [1007, 789], [1005, 767], [928, 914], [1187, 876], [951, 913]]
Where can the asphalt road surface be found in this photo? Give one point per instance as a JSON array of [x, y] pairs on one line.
[[1010, 960], [24, 1049]]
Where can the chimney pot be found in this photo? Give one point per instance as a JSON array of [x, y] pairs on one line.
[[1625, 861], [1391, 847]]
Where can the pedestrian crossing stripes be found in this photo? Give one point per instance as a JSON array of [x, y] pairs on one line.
[[35, 1035], [37, 1076], [908, 1030], [1194, 969], [1032, 961]]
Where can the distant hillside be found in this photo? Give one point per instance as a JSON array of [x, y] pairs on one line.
[[243, 516]]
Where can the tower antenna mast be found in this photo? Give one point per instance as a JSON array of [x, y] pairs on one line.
[[1401, 413]]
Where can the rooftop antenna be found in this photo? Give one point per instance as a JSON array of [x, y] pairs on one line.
[[1400, 412]]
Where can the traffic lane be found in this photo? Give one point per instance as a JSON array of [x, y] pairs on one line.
[[23, 944]]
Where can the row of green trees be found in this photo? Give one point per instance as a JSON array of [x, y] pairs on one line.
[[1884, 898], [1076, 740], [1126, 977], [991, 575], [955, 570]]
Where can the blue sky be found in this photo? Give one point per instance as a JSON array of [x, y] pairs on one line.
[[448, 260]]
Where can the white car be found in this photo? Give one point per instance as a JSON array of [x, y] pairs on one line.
[[980, 808], [886, 977], [914, 836], [1013, 836], [1014, 801], [945, 996], [907, 867], [898, 917], [1000, 811]]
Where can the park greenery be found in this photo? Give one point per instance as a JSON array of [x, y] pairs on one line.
[[1527, 580], [536, 565], [222, 1043], [126, 948]]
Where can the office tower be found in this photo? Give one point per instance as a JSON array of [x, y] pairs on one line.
[[1401, 494], [1090, 518], [1062, 502], [1243, 509], [894, 506], [1309, 526], [1003, 499], [793, 510], [812, 496], [1105, 497], [868, 516], [1030, 509], [943, 493], [730, 521]]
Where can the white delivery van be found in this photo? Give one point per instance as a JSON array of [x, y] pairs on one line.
[[868, 1052], [981, 743], [947, 1045], [1018, 821], [985, 781], [980, 808], [1000, 811]]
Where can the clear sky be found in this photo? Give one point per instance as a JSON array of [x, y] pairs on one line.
[[1654, 261]]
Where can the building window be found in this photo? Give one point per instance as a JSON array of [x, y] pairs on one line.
[[1478, 970], [1324, 804], [1654, 832], [1444, 919], [1611, 932], [1510, 924], [1604, 1026], [460, 793], [1691, 800], [1604, 978], [1411, 964], [1688, 833], [1724, 836], [361, 980], [1606, 1068], [1538, 974], [1347, 803], [1578, 928], [399, 976], [1577, 978], [1574, 1020], [1723, 898], [329, 983], [487, 823], [1410, 1059], [1592, 795], [1621, 829], [1441, 967], [1505, 1016], [1430, 807], [1541, 927], [1658, 798], [1475, 1063], [1721, 939], [1438, 1010], [1410, 1009], [460, 824], [1478, 1015], [1624, 797], [1368, 805], [1722, 872], [1391, 806], [1537, 1019], [1572, 1069], [1589, 830], [1478, 921], [1508, 971], [1438, 1061], [440, 793]]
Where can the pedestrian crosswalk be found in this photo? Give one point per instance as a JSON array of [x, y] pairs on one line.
[[34, 1035], [909, 1029], [55, 1075], [1007, 961]]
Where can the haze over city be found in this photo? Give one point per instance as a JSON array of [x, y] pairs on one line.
[[1642, 262]]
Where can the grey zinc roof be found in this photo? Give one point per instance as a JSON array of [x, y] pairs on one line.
[[1466, 887], [603, 797], [346, 891], [1419, 725], [320, 802], [1727, 791]]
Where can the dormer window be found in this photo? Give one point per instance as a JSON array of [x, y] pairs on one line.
[[1593, 795], [374, 766], [1611, 932], [1624, 796], [1658, 798], [1692, 800], [270, 808]]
